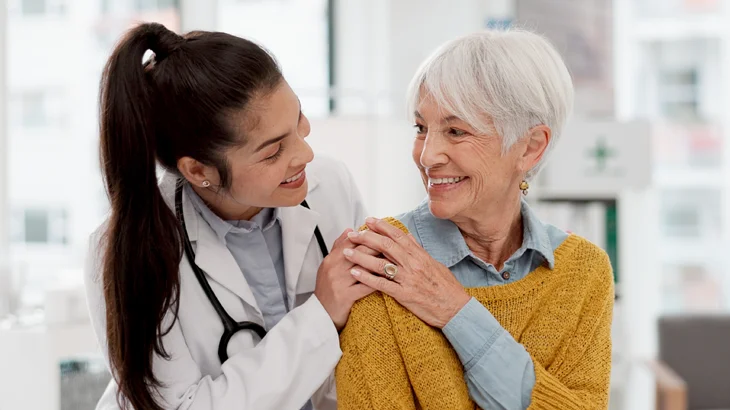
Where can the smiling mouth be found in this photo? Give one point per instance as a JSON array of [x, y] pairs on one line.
[[445, 181], [293, 178]]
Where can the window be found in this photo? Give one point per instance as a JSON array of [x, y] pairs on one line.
[[691, 213], [35, 109], [33, 8], [155, 4], [40, 226], [679, 94], [274, 24], [36, 226]]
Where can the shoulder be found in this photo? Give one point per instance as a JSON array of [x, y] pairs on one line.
[[410, 219], [94, 255], [93, 282], [334, 195], [329, 172], [588, 260]]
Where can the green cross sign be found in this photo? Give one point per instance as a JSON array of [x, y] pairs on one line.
[[601, 153]]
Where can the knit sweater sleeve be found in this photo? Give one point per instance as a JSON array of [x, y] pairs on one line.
[[579, 377], [369, 352]]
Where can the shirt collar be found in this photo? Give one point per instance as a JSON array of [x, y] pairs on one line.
[[442, 239], [535, 235], [266, 218]]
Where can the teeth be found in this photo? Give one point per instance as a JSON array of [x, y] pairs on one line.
[[294, 178], [441, 181]]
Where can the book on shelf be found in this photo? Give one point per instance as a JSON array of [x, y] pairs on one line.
[[596, 221]]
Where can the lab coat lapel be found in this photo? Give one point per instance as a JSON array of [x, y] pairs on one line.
[[214, 258], [297, 232]]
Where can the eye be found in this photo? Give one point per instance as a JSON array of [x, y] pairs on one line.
[[420, 129], [276, 155], [457, 132]]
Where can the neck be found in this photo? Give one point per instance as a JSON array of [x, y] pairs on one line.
[[495, 233], [225, 206]]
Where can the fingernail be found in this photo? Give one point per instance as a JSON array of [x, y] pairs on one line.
[[370, 220], [353, 234], [348, 252], [355, 272]]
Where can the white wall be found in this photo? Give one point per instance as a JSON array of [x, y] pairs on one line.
[[378, 153], [380, 44], [31, 379], [4, 273], [55, 166], [417, 28], [198, 15]]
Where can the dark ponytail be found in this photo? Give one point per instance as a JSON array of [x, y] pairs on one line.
[[179, 103]]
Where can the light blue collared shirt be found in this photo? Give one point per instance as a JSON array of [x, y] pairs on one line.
[[498, 370], [256, 245]]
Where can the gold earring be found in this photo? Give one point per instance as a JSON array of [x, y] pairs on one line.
[[524, 186]]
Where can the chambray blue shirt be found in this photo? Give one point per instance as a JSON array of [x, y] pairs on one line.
[[498, 370], [256, 246]]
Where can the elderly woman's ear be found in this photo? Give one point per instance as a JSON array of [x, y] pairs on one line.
[[535, 144]]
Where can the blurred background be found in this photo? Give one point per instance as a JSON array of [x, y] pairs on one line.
[[643, 168]]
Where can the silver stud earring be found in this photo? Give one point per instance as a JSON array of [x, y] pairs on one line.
[[206, 184]]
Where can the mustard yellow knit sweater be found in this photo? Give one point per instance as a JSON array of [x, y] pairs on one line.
[[393, 360]]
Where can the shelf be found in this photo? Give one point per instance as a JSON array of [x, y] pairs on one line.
[[689, 251], [573, 195], [688, 178], [679, 28]]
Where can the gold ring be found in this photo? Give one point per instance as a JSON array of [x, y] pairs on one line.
[[390, 271]]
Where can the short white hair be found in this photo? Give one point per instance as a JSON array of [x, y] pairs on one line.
[[514, 77]]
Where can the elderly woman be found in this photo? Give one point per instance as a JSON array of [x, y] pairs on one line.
[[481, 304]]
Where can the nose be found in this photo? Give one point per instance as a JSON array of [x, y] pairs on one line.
[[433, 152], [305, 154]]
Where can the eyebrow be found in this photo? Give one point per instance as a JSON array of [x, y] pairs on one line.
[[270, 142], [450, 118], [280, 137]]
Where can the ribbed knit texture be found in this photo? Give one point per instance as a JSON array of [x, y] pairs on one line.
[[393, 360]]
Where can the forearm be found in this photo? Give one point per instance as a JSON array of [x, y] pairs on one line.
[[499, 372]]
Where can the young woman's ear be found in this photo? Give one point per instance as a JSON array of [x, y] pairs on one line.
[[196, 173]]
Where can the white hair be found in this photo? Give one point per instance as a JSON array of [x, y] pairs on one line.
[[515, 78]]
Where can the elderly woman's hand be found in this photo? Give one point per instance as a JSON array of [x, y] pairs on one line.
[[422, 285]]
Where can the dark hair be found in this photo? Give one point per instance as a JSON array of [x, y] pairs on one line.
[[178, 103]]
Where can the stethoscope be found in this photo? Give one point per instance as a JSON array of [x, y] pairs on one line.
[[230, 326]]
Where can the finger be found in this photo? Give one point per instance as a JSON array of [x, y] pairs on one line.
[[386, 229], [383, 244], [368, 262], [359, 291], [364, 249], [376, 282], [342, 238]]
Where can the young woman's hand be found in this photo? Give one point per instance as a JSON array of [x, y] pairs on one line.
[[336, 288]]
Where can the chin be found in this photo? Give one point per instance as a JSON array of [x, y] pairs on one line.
[[443, 210], [294, 197]]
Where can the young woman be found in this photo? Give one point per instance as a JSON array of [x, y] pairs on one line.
[[211, 288]]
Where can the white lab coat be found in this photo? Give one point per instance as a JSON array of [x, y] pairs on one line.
[[295, 361]]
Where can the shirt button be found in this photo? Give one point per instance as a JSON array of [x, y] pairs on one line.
[[505, 275]]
